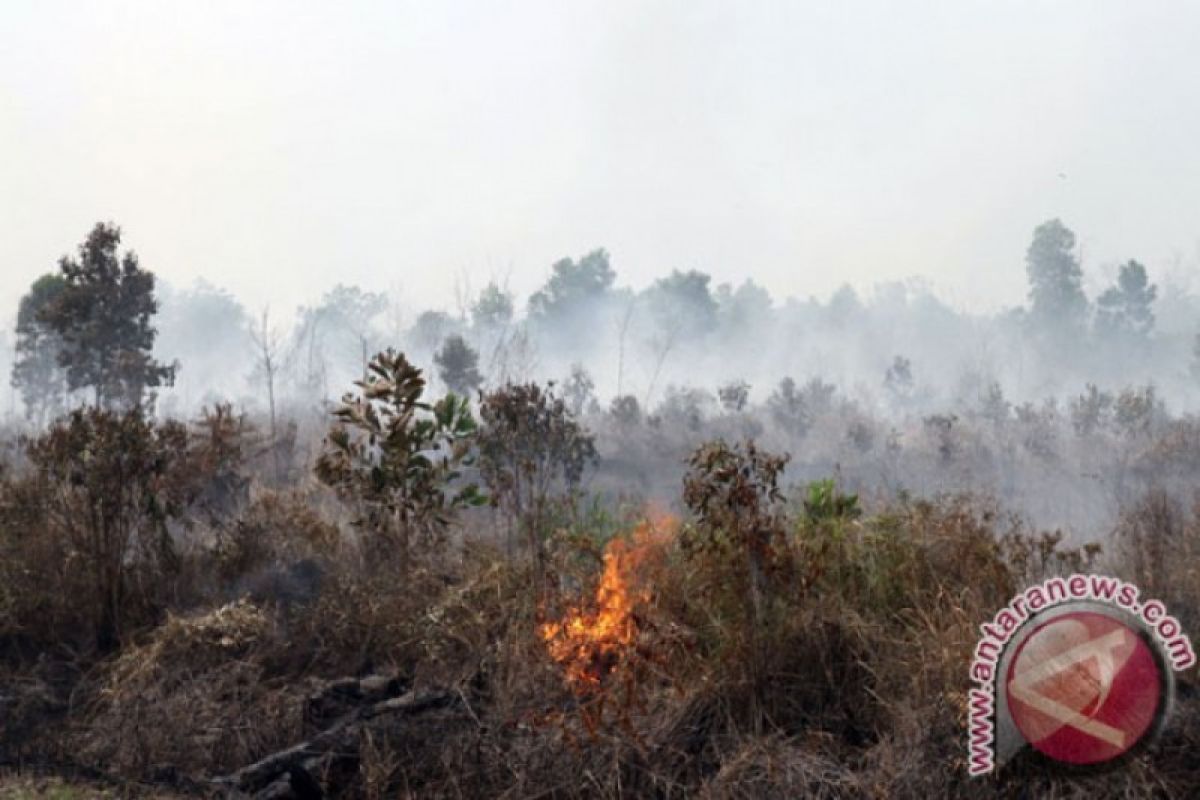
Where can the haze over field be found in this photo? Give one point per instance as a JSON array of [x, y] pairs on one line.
[[599, 399]]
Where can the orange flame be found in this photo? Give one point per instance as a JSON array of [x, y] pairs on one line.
[[590, 644]]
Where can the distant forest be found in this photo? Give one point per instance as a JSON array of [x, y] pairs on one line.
[[894, 350]]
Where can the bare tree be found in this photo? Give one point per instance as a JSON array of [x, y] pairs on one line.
[[622, 330], [268, 342], [662, 344], [395, 314], [463, 295]]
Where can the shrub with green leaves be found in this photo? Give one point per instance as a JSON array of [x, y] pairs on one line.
[[823, 501], [398, 458]]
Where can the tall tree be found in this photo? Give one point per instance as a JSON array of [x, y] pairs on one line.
[[36, 373], [681, 308], [579, 390], [1058, 304], [493, 309], [206, 328], [743, 310], [682, 302], [431, 329], [458, 366], [268, 345], [571, 285], [352, 312], [103, 317], [1125, 309]]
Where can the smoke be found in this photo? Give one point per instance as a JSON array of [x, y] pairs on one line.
[[891, 388]]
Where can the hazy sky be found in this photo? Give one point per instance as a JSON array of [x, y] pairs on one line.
[[276, 148]]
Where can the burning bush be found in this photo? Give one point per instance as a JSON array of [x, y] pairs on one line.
[[603, 644], [590, 641]]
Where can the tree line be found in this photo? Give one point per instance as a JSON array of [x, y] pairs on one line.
[[87, 329]]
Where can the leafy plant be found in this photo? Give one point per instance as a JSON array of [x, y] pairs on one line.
[[532, 452], [458, 365], [823, 501], [102, 317], [398, 457]]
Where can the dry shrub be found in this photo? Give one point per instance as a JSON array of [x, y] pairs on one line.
[[276, 530], [198, 698], [1157, 546], [440, 622], [377, 766], [776, 767], [38, 609], [360, 622]]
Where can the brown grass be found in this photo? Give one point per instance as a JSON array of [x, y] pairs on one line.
[[853, 685]]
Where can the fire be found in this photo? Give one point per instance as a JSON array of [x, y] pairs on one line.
[[591, 642]]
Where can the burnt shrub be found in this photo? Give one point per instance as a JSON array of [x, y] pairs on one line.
[[104, 485], [532, 455]]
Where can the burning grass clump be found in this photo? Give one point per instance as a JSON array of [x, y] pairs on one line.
[[846, 675], [591, 640]]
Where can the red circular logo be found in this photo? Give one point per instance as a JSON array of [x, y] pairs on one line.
[[1084, 688]]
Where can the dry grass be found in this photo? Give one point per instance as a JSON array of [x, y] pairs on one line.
[[198, 698], [851, 685]]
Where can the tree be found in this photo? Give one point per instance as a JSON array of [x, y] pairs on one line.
[[1124, 310], [458, 366], [531, 452], [625, 410], [36, 372], [351, 311], [681, 308], [733, 493], [572, 285], [898, 380], [1058, 304], [685, 406], [682, 302], [306, 344], [734, 396], [398, 457], [579, 389], [493, 309], [431, 329], [267, 345], [844, 305], [207, 329], [1090, 410], [788, 408], [743, 310], [102, 317], [114, 480]]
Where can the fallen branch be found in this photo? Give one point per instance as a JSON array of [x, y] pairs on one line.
[[338, 740]]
